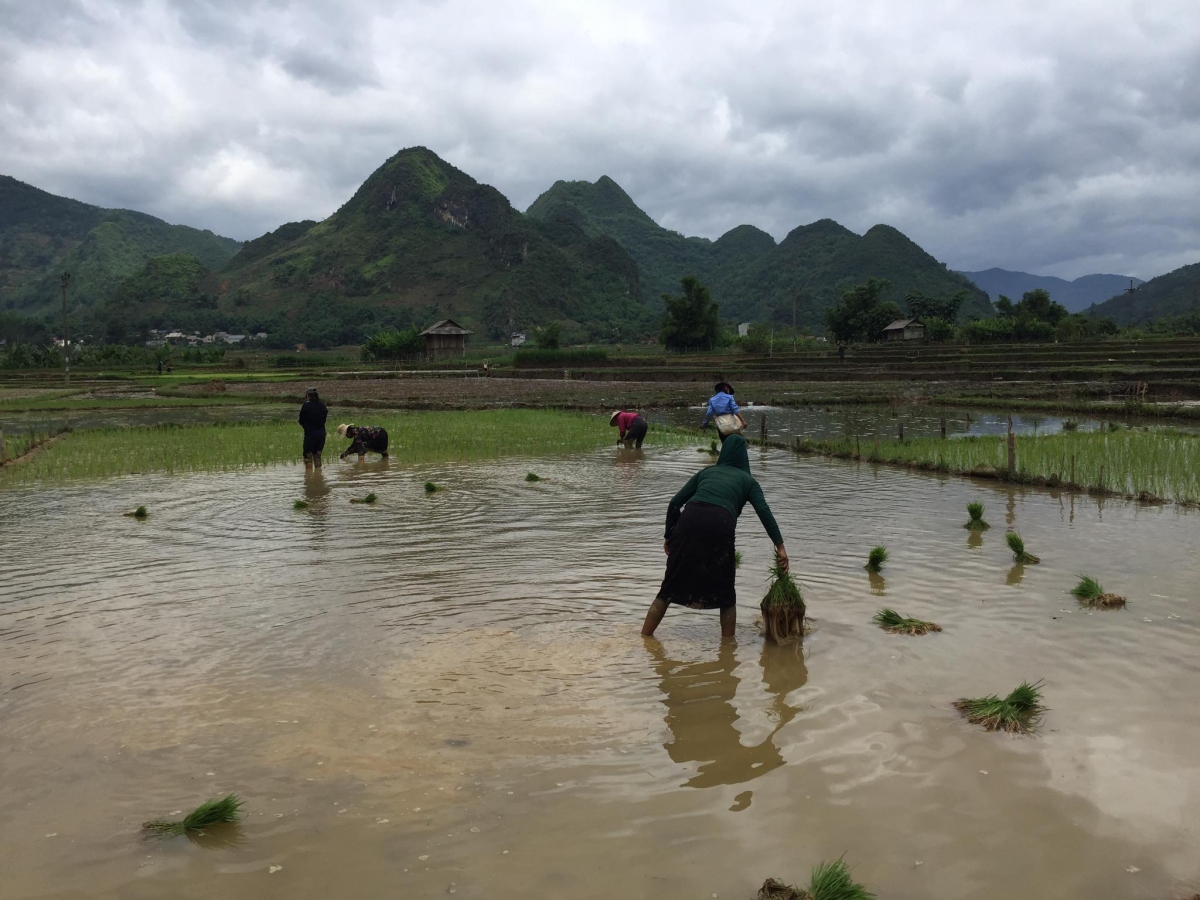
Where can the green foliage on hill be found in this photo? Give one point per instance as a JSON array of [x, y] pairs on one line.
[[420, 241], [692, 320], [749, 275], [1035, 317], [42, 235], [1176, 293]]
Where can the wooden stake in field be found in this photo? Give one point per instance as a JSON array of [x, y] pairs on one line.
[[762, 428], [1012, 448], [3, 452], [901, 432], [943, 428]]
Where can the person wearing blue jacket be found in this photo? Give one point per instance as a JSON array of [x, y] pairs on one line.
[[721, 403]]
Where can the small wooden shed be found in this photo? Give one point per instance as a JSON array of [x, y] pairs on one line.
[[446, 338], [904, 330]]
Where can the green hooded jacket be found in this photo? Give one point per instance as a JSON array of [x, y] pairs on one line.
[[729, 485]]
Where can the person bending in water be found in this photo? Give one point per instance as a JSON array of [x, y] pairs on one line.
[[724, 410], [631, 428], [699, 540], [366, 439], [312, 419]]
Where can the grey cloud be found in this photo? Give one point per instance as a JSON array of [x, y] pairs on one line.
[[1047, 137]]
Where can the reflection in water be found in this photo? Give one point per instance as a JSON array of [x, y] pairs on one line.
[[1010, 508], [1015, 575], [315, 485], [218, 837], [974, 539], [878, 583], [702, 718]]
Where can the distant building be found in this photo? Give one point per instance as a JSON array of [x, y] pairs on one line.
[[904, 330], [446, 338], [518, 338]]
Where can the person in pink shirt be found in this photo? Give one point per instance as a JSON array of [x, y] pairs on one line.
[[631, 427]]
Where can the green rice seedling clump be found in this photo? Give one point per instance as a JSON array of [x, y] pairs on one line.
[[1017, 546], [214, 812], [1090, 593], [370, 498], [894, 623], [876, 558], [300, 504], [431, 488], [783, 606], [829, 881], [737, 559], [533, 476], [976, 522], [1020, 712], [139, 513]]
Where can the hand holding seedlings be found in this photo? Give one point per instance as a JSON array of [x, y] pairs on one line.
[[783, 606]]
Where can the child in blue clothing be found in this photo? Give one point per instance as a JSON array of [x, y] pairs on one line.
[[721, 405]]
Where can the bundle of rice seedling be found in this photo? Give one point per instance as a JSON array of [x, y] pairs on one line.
[[533, 476], [1017, 546], [431, 488], [370, 498], [1090, 593], [876, 558], [214, 812], [782, 606], [737, 559], [1020, 712], [300, 504], [139, 513], [829, 881], [976, 523], [894, 623]]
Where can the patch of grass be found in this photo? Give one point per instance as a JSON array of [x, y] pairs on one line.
[[894, 623], [533, 476], [876, 558], [370, 498], [1020, 712], [417, 438], [300, 504], [976, 522], [1017, 546], [783, 606], [214, 812], [829, 881], [1090, 593]]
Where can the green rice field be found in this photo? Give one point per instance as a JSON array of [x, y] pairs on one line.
[[418, 437], [1164, 464]]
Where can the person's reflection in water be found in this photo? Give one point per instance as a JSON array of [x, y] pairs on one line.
[[315, 485], [701, 716]]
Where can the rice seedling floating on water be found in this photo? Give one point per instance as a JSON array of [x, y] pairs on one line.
[[737, 559], [1020, 712], [782, 607], [976, 523], [431, 488], [1090, 593], [139, 513], [1017, 546], [370, 498], [300, 504], [214, 812], [829, 881], [533, 476], [894, 623], [876, 558]]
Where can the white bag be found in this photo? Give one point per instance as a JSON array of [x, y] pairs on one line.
[[728, 424]]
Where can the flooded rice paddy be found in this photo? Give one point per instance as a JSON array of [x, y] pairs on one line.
[[448, 694]]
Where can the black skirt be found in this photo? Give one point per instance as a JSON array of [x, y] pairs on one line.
[[700, 567]]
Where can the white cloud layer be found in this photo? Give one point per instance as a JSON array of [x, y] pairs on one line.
[[1044, 135]]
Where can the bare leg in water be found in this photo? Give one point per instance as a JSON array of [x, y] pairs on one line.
[[658, 609]]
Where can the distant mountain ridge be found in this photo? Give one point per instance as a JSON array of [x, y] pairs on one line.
[[43, 235], [1176, 293], [751, 276], [1076, 296]]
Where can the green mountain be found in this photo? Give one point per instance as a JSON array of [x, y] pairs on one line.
[[421, 240], [749, 275], [1176, 293], [42, 235]]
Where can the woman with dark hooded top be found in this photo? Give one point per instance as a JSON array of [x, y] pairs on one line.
[[699, 540]]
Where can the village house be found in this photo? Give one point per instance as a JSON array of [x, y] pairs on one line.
[[446, 338], [904, 330]]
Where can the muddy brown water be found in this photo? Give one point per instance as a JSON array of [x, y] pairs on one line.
[[448, 694]]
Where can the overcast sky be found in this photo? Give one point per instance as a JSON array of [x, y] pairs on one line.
[[1049, 136]]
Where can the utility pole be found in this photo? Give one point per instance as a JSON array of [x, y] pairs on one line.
[[66, 280], [793, 319]]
